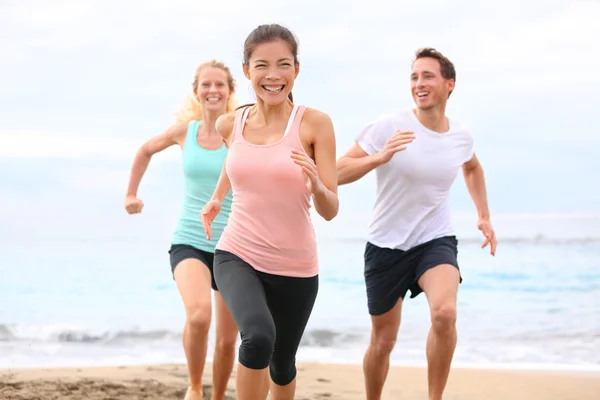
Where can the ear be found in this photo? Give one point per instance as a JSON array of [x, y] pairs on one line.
[[450, 84], [297, 69], [246, 70]]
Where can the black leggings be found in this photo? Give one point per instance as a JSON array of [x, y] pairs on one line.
[[271, 312]]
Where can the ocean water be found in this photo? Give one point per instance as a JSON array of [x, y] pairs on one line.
[[106, 302]]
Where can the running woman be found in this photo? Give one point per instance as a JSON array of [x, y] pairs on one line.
[[191, 253], [281, 156]]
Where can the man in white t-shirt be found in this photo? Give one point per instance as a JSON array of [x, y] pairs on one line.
[[416, 155]]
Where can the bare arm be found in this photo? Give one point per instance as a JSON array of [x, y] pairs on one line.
[[224, 126], [475, 180], [325, 196], [174, 135], [355, 164]]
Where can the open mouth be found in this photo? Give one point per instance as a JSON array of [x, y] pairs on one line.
[[273, 88], [213, 99], [422, 95]]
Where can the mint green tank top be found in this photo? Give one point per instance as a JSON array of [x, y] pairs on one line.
[[201, 170]]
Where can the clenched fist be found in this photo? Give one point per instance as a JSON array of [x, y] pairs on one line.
[[133, 205]]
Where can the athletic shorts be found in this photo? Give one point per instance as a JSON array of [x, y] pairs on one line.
[[391, 273], [180, 252]]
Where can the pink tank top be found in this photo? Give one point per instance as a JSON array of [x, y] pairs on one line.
[[269, 226]]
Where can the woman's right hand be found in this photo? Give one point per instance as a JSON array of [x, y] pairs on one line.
[[208, 215], [133, 205]]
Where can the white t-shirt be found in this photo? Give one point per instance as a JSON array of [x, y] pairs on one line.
[[413, 188]]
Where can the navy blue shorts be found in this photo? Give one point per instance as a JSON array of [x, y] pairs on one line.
[[391, 273], [180, 252]]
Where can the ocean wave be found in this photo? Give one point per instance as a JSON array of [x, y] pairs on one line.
[[539, 239], [62, 334]]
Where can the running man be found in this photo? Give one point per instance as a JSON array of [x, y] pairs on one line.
[[416, 155]]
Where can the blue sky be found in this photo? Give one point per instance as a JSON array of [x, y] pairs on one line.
[[84, 83]]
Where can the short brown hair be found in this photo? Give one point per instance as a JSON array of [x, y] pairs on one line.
[[446, 66]]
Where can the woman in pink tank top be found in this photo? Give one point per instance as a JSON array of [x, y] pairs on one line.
[[281, 157]]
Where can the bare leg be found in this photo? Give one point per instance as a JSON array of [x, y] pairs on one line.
[[283, 392], [440, 285], [224, 358], [376, 362], [194, 283], [252, 384]]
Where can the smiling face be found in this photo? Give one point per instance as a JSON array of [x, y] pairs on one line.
[[272, 70], [428, 86], [213, 90]]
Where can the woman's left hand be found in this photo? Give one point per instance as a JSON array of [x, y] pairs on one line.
[[309, 171]]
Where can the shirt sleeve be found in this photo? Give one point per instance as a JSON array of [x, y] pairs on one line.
[[470, 151], [369, 138]]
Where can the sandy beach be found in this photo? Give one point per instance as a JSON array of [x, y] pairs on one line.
[[315, 381]]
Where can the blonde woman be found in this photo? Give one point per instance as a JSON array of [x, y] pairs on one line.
[[191, 253]]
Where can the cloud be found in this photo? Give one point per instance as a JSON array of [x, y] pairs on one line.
[[74, 146], [88, 82]]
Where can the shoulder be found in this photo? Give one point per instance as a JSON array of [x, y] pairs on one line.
[[318, 123], [393, 119], [178, 131], [317, 118], [460, 129], [225, 124]]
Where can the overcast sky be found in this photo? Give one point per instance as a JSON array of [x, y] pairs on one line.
[[85, 82]]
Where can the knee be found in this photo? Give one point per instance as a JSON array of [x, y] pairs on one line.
[[284, 374], [383, 342], [226, 345], [257, 345], [198, 319], [443, 318]]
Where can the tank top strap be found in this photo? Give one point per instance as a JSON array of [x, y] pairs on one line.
[[192, 131], [293, 132], [238, 123]]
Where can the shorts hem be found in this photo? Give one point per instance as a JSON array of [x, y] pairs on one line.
[[193, 253], [416, 284]]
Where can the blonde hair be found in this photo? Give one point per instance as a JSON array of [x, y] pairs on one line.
[[192, 110]]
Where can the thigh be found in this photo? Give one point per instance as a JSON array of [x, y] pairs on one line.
[[290, 301], [181, 252], [226, 329], [438, 274], [242, 291], [192, 277], [388, 275], [385, 326]]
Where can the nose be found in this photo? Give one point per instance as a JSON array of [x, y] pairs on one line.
[[420, 82], [272, 74]]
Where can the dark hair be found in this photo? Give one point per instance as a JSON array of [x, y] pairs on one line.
[[266, 34], [446, 66]]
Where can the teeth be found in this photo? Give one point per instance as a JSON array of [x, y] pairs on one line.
[[421, 94], [213, 99], [273, 88]]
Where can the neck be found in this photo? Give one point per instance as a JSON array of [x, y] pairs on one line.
[[433, 119], [209, 122], [269, 113]]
